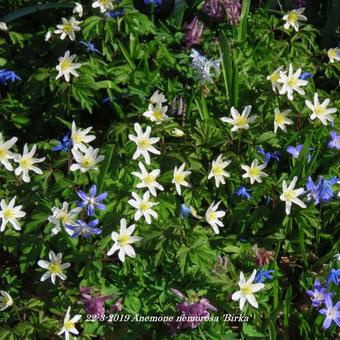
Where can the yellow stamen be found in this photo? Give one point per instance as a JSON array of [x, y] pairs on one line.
[[246, 289], [3, 153], [144, 206], [25, 163], [54, 268], [241, 121], [254, 172], [217, 170], [148, 179], [65, 64], [280, 118], [144, 143], [8, 213], [289, 195], [124, 240]]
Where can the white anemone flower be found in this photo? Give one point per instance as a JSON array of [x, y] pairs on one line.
[[179, 178], [333, 54], [54, 267], [10, 213], [156, 113], [80, 137], [48, 35], [61, 217], [239, 121], [281, 120], [177, 133], [148, 179], [78, 9], [274, 77], [5, 154], [253, 172], [104, 5], [291, 82], [123, 241], [26, 163], [293, 17], [5, 300], [3, 26], [157, 98], [68, 28], [213, 216], [143, 206], [290, 195], [320, 111], [87, 159], [144, 143], [69, 324], [217, 170], [247, 290], [66, 66]]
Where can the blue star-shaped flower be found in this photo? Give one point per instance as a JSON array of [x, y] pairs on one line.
[[91, 201]]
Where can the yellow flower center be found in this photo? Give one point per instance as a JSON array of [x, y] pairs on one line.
[[292, 82], [246, 289], [124, 240], [8, 213], [217, 170], [211, 216], [69, 325], [77, 138], [332, 53], [68, 28], [25, 163], [144, 143], [3, 153], [87, 162], [319, 110], [104, 2], [144, 206], [241, 121], [274, 77], [289, 195], [292, 17], [254, 172], [54, 268], [280, 118], [158, 114], [65, 64], [179, 178], [5, 300], [64, 217], [148, 179]]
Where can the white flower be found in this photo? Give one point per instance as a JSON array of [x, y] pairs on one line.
[[292, 18], [239, 121], [81, 137], [337, 257], [68, 326], [217, 170], [3, 26], [291, 82], [148, 179], [247, 290], [274, 77], [212, 216], [5, 154], [320, 111], [78, 9], [67, 67], [48, 35], [144, 143], [5, 300], [67, 28], [10, 213], [290, 195], [62, 216], [281, 120], [156, 113], [105, 5], [177, 132], [87, 159], [179, 178], [157, 98], [254, 171], [143, 206], [54, 267], [26, 163], [123, 240], [333, 54]]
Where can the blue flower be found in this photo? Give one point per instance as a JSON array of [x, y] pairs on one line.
[[306, 75], [66, 143], [91, 201], [332, 313], [185, 211], [334, 143], [243, 192], [321, 191], [90, 46], [153, 2], [263, 274], [115, 14], [295, 151], [83, 228], [7, 75], [267, 155], [319, 294], [334, 276]]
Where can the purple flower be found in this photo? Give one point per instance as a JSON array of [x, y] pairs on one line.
[[306, 75], [263, 274], [332, 313], [83, 228], [318, 295], [91, 201], [90, 47], [117, 306], [7, 75], [215, 9], [233, 8], [65, 144], [324, 188], [312, 191], [334, 276], [193, 32], [268, 156], [93, 304], [334, 143], [243, 192], [295, 151]]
